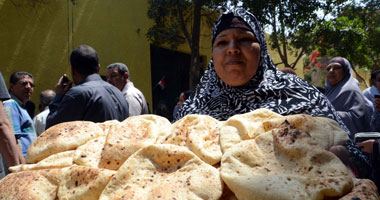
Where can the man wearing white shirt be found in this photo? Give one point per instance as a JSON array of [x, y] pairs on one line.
[[375, 86], [118, 75], [39, 120]]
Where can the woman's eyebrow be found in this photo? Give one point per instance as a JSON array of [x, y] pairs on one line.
[[221, 35]]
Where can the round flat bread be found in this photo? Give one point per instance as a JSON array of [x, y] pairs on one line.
[[287, 161], [250, 125], [131, 135], [90, 153], [363, 189], [164, 171], [35, 184], [107, 125], [62, 137], [244, 126], [59, 160], [199, 133], [325, 131], [83, 183]]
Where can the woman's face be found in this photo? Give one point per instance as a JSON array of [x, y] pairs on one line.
[[334, 74], [236, 55]]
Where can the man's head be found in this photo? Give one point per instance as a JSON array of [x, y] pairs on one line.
[[377, 80], [84, 61], [118, 75], [46, 97], [21, 85], [372, 81]]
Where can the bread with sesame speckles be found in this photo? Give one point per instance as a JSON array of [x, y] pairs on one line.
[[164, 171], [199, 133], [62, 137]]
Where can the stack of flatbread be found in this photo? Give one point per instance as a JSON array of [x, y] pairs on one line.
[[257, 155]]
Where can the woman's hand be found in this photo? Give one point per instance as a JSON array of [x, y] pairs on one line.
[[367, 146]]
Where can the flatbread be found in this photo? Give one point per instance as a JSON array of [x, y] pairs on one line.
[[164, 171], [363, 189], [327, 132], [287, 161], [62, 137], [131, 135], [107, 125], [244, 127], [36, 184], [199, 133], [59, 160], [250, 125], [80, 182], [89, 154]]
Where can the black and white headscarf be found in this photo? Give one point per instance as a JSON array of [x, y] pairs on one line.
[[269, 88]]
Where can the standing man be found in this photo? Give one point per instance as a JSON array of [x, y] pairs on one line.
[[39, 120], [92, 99], [375, 86], [21, 89], [118, 75]]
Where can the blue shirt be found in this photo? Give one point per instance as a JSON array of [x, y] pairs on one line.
[[21, 122], [92, 100], [370, 93]]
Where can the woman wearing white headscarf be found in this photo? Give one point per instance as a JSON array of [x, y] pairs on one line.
[[241, 78], [345, 95]]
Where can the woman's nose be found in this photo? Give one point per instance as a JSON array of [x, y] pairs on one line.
[[233, 47]]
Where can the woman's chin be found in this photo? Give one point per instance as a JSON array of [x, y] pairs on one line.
[[235, 82]]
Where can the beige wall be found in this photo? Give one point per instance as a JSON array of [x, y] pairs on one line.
[[39, 37]]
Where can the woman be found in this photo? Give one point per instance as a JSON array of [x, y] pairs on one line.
[[241, 77], [345, 95]]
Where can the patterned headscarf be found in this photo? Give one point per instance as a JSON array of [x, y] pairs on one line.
[[269, 88]]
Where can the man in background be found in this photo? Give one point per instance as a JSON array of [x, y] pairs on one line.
[[92, 99], [118, 75], [21, 89], [39, 120], [375, 86]]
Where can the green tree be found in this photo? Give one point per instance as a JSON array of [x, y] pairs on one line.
[[291, 22], [354, 34], [179, 21]]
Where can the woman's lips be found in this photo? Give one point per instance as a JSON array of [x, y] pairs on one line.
[[234, 62]]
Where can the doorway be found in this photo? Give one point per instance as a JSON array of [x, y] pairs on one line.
[[173, 68]]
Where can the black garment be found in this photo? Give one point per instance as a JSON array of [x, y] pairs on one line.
[[30, 107], [376, 162], [92, 100]]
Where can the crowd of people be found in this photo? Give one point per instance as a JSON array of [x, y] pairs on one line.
[[240, 78]]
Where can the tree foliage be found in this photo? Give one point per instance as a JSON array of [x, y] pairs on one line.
[[291, 22], [354, 34], [179, 21]]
